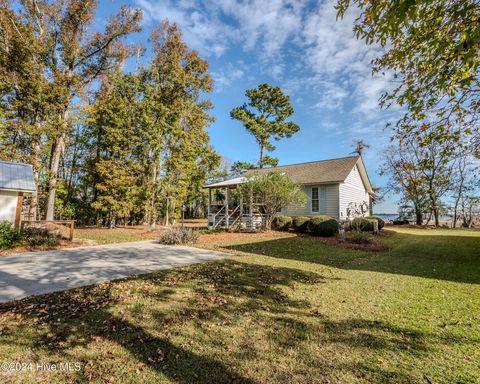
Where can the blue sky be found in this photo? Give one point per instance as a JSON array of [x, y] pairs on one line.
[[298, 45]]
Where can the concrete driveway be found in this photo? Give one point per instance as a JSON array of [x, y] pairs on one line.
[[35, 273]]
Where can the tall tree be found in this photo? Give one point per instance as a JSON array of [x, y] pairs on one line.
[[114, 124], [421, 168], [405, 178], [432, 47], [26, 97], [464, 184], [175, 118], [74, 55], [265, 117]]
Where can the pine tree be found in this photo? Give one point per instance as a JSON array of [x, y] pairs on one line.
[[265, 117]]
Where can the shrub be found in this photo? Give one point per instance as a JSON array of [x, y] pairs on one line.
[[381, 222], [9, 237], [39, 236], [362, 224], [282, 223], [178, 235], [300, 223], [323, 226], [400, 222], [357, 237]]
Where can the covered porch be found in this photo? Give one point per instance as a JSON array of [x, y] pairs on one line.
[[229, 210]]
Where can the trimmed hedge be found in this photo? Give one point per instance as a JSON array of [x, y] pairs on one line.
[[381, 222], [400, 222], [362, 224], [300, 223], [282, 223], [323, 226]]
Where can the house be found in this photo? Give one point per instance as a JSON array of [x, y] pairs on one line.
[[333, 187], [15, 180]]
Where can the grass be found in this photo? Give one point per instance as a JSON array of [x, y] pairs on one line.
[[102, 235], [283, 309]]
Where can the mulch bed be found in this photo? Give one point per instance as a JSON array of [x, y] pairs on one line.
[[375, 245], [28, 248]]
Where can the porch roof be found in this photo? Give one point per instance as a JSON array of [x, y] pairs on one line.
[[227, 183]]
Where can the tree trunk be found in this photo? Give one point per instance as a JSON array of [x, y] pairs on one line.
[[436, 216], [152, 215], [419, 216], [113, 220], [57, 149], [166, 213], [260, 163], [33, 209]]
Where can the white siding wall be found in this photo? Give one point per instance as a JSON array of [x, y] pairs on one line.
[[331, 202], [8, 205], [352, 191]]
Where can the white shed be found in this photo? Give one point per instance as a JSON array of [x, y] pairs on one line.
[[15, 180]]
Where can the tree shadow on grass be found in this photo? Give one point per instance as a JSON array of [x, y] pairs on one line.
[[78, 317], [451, 258], [219, 293]]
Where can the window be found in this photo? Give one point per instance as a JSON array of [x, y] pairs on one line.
[[315, 201]]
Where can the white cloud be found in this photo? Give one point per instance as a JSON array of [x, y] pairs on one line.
[[331, 95], [263, 26], [341, 62], [224, 79], [201, 30], [303, 46]]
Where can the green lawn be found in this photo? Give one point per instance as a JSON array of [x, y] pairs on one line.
[[283, 309]]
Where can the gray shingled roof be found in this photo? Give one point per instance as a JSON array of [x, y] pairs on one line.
[[323, 171], [16, 176]]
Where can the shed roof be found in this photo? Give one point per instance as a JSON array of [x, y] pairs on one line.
[[16, 177]]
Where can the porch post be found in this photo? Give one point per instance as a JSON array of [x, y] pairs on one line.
[[18, 210], [250, 212], [226, 207], [209, 201]]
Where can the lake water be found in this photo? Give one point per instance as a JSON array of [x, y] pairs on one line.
[[387, 216]]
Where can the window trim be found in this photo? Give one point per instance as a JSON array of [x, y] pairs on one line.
[[317, 200]]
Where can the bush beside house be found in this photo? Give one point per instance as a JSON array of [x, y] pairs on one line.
[[381, 222], [282, 223], [323, 226], [300, 224], [9, 236], [362, 224]]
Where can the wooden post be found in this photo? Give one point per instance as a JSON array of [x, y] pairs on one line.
[[71, 230], [251, 224], [208, 206], [226, 207], [18, 211]]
